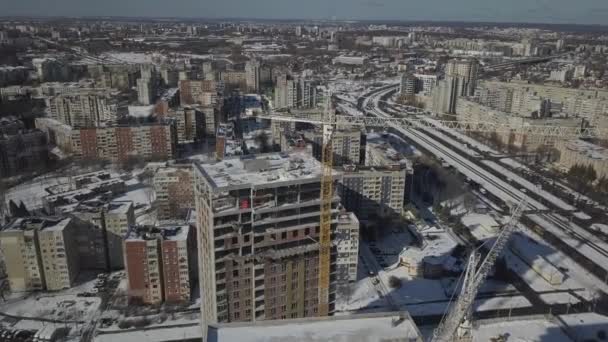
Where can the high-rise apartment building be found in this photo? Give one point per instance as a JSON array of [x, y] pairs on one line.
[[426, 83], [159, 263], [258, 222], [252, 70], [189, 124], [347, 146], [122, 143], [174, 192], [203, 92], [112, 221], [347, 247], [285, 93], [85, 108], [373, 191], [408, 85], [47, 252], [460, 80]]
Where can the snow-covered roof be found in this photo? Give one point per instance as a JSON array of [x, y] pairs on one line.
[[590, 150], [369, 328], [261, 169]]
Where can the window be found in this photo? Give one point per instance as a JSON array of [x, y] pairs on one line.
[[294, 233]]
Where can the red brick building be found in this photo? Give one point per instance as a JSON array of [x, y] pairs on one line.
[[160, 263], [156, 141]]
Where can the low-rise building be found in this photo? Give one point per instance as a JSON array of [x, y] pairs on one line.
[[583, 153]]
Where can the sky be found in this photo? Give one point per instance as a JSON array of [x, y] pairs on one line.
[[533, 11]]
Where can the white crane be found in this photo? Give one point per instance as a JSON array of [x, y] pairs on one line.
[[456, 324]]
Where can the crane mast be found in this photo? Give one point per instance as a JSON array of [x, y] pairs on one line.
[[327, 184], [456, 325]]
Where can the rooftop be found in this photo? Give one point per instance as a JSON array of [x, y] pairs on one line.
[[590, 150], [172, 232], [261, 169], [376, 327], [37, 223]]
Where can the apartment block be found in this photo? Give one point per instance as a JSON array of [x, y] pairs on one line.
[[234, 79], [202, 92], [189, 123], [158, 262], [347, 146], [23, 151], [41, 252], [174, 191], [347, 245], [121, 143], [373, 191], [258, 222], [112, 221], [85, 108]]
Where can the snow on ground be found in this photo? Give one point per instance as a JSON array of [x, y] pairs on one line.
[[468, 140], [32, 192], [529, 186], [575, 236], [513, 163], [161, 334], [600, 227], [62, 306], [131, 57], [452, 142], [523, 249], [539, 329], [491, 183], [143, 196], [581, 215], [349, 110], [571, 268]]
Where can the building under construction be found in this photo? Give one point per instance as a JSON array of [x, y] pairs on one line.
[[258, 221]]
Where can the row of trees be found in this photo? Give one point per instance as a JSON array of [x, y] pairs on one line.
[[584, 176]]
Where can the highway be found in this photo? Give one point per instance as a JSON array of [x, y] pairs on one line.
[[490, 177]]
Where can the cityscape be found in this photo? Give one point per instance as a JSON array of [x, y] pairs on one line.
[[340, 179]]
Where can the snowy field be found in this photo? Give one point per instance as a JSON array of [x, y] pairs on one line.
[[64, 307]]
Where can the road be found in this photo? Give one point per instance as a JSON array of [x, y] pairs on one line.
[[489, 176]]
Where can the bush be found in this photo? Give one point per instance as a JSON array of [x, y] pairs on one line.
[[124, 324], [394, 282]]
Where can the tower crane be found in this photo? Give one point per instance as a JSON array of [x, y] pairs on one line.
[[459, 314], [456, 324]]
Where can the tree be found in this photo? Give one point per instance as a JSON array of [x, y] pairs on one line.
[[589, 174], [602, 184]]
